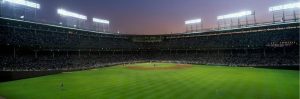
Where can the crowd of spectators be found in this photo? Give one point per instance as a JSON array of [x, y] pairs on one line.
[[87, 61], [278, 45]]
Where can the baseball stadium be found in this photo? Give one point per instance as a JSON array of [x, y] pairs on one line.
[[81, 57]]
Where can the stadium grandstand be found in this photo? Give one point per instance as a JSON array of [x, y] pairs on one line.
[[33, 46], [73, 56]]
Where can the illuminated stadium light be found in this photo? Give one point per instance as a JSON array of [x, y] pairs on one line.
[[71, 14], [285, 6], [193, 21], [235, 15], [25, 3], [100, 21]]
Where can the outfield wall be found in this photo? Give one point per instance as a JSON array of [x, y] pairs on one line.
[[287, 67], [16, 75]]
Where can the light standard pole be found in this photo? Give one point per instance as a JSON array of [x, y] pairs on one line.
[[75, 18], [237, 16], [282, 9], [193, 23], [25, 3], [101, 22]]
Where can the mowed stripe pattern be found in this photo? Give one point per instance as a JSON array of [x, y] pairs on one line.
[[197, 82]]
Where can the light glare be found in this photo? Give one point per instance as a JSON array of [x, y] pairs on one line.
[[286, 6], [100, 21], [235, 15], [71, 14], [193, 21], [25, 3]]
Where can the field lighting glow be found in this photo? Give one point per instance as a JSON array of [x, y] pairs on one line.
[[235, 15], [100, 21], [71, 14], [285, 6], [25, 3], [193, 21]]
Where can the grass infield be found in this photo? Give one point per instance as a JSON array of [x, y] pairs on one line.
[[194, 82]]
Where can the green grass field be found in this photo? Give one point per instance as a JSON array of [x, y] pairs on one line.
[[196, 82]]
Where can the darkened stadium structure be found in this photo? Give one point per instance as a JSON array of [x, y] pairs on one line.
[[32, 46], [149, 53]]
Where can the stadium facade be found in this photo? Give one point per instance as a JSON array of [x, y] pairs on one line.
[[34, 46]]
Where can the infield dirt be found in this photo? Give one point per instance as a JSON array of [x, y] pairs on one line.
[[178, 66]]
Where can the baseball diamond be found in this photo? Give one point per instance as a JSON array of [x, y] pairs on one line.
[[194, 82], [149, 49]]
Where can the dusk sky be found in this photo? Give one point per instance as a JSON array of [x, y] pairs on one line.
[[156, 16]]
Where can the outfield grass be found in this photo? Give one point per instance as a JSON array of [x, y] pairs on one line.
[[197, 82]]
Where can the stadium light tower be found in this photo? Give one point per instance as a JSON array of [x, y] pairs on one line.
[[101, 22], [74, 17], [25, 3], [71, 14], [283, 8], [193, 23], [238, 16], [235, 15]]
